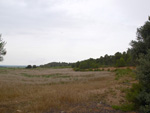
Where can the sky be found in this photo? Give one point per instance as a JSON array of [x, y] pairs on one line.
[[42, 31]]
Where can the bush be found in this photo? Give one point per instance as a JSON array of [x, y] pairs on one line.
[[124, 72], [132, 97], [143, 74], [139, 97], [90, 69], [121, 62], [124, 107], [139, 94], [132, 94], [29, 67], [34, 66], [97, 70]]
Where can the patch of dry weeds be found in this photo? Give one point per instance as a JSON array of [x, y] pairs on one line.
[[38, 95]]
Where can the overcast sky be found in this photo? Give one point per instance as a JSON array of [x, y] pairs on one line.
[[43, 31]]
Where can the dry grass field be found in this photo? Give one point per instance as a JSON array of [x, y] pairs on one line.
[[45, 90]]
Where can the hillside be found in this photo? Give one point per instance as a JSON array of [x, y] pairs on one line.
[[57, 64]]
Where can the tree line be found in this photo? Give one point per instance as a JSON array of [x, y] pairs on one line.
[[139, 56], [56, 64], [117, 60]]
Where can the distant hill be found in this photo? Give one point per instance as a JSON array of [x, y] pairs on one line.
[[57, 64]]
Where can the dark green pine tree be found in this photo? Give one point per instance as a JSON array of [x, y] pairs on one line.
[[141, 50]]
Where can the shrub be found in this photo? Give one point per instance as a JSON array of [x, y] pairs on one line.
[[121, 62], [124, 107], [132, 94], [34, 66], [143, 74], [139, 94], [124, 72], [29, 67]]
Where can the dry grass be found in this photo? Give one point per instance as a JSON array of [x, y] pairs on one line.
[[54, 94]]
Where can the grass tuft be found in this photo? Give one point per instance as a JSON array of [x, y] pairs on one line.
[[124, 107], [45, 76], [124, 72]]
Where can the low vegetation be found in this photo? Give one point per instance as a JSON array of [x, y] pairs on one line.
[[124, 107], [57, 65], [57, 75], [126, 76], [36, 91], [124, 72]]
